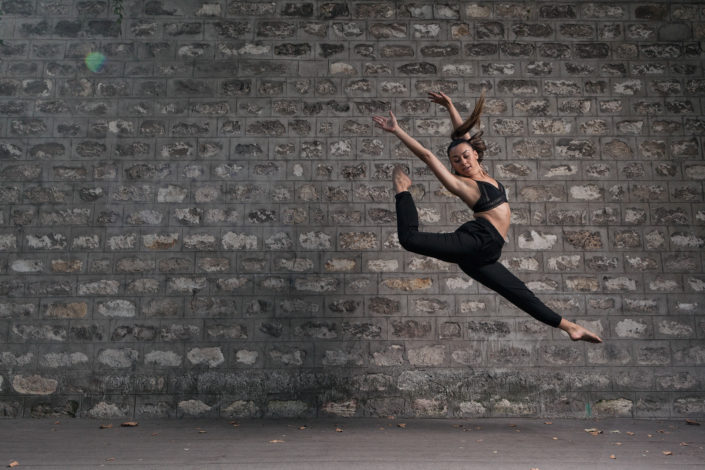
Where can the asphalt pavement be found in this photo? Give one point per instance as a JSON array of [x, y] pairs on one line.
[[385, 443]]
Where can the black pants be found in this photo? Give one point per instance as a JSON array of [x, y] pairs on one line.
[[475, 246]]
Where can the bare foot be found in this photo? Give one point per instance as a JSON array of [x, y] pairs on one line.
[[401, 181], [578, 333]]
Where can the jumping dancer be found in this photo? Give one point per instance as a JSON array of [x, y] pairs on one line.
[[476, 245]]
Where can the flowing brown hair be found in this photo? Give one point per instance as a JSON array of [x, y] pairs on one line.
[[475, 141]]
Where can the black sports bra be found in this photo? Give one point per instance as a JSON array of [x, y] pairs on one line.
[[490, 196]]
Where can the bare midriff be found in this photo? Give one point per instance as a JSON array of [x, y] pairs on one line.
[[499, 216]]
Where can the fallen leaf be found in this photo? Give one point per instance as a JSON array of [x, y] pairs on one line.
[[303, 427], [106, 426], [201, 431], [692, 422], [613, 456], [14, 463], [684, 444], [618, 443], [129, 424], [401, 425], [667, 452], [338, 430], [535, 468], [629, 433], [555, 438], [615, 431], [512, 425], [548, 422], [593, 431], [391, 417], [57, 422], [276, 440]]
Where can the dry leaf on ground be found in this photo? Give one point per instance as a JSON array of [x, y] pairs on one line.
[[667, 452], [401, 425], [276, 441], [303, 427], [14, 463], [684, 444], [106, 426], [129, 424], [548, 422], [692, 422], [338, 430], [613, 456]]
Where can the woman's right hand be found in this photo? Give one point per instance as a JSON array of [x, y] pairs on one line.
[[440, 98], [388, 124]]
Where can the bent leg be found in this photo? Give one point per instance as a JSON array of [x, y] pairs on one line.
[[498, 278], [450, 247]]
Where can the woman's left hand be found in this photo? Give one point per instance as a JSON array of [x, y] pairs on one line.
[[440, 98], [388, 124]]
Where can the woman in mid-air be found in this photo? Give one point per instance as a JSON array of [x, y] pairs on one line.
[[476, 245]]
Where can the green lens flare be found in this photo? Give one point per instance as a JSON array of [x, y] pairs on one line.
[[95, 61]]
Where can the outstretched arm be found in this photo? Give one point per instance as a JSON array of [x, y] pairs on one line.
[[445, 101], [450, 181]]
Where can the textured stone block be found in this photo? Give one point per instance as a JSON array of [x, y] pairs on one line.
[[218, 179]]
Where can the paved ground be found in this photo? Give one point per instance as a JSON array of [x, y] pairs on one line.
[[353, 444]]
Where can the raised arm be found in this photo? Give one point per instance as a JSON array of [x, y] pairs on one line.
[[445, 101], [450, 181]]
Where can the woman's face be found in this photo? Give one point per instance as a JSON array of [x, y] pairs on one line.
[[463, 159]]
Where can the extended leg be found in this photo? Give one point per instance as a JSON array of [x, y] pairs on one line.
[[498, 278], [450, 247]]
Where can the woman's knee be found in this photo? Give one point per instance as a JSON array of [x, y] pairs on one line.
[[407, 240], [415, 242]]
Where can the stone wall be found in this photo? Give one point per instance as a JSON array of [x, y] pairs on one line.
[[204, 225]]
